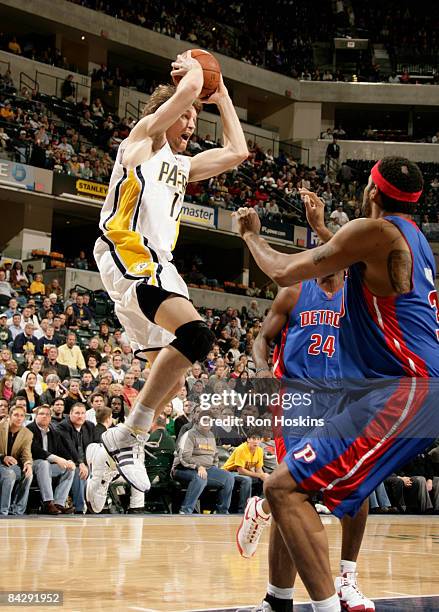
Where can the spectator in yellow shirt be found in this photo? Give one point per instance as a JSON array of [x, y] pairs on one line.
[[245, 464], [14, 46], [70, 355], [6, 112], [37, 285]]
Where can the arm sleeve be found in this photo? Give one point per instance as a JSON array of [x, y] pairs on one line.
[[260, 463]]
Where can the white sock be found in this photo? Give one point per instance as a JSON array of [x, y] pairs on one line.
[[332, 604], [260, 510], [280, 593], [347, 567], [140, 418]]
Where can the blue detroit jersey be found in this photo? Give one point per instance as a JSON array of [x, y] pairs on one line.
[[309, 347], [393, 336]]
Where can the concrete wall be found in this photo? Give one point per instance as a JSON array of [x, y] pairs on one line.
[[357, 149], [368, 93], [307, 120], [49, 78]]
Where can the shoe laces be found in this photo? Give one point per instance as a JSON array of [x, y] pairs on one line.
[[350, 587], [254, 531], [142, 438]]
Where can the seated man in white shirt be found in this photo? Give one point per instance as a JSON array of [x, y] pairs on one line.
[[116, 371], [96, 400], [340, 215]]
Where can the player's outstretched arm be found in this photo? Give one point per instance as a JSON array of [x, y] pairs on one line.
[[215, 161], [273, 324], [353, 243], [187, 92]]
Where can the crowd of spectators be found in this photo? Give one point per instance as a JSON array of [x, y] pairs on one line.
[[280, 37], [36, 136], [32, 133], [406, 29], [65, 378]]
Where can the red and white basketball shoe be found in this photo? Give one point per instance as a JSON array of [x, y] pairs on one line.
[[252, 525], [351, 598]]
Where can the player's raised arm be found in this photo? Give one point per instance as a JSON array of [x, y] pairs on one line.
[[188, 90], [273, 324], [353, 243], [213, 162]]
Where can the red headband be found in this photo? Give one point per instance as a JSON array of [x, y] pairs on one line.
[[390, 190]]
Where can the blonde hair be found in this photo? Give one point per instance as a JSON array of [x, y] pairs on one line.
[[160, 95]]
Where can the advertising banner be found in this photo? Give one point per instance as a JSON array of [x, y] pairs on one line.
[[198, 215], [272, 229], [25, 177], [80, 188]]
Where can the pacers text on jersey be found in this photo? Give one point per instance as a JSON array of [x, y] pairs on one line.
[[172, 176]]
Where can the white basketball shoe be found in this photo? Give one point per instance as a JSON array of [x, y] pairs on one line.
[[126, 448], [250, 530], [351, 598]]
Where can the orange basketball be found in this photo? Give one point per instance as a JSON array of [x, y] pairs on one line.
[[211, 72]]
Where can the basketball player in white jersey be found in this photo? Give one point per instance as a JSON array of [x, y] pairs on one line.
[[139, 222]]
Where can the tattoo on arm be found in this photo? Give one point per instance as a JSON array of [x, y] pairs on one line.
[[399, 267], [321, 253]]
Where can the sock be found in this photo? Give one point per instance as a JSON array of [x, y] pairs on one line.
[[348, 569], [279, 605], [140, 418], [280, 593], [332, 604], [260, 511]]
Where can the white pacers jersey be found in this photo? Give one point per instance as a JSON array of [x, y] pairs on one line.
[[140, 218], [139, 221]]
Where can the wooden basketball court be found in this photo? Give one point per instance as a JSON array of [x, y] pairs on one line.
[[186, 563]]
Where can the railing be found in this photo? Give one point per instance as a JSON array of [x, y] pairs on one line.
[[28, 82], [140, 107], [134, 113], [50, 83], [294, 150], [7, 64], [274, 192], [205, 127], [22, 154]]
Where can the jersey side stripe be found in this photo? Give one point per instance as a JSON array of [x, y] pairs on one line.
[[116, 197], [139, 201], [130, 252]]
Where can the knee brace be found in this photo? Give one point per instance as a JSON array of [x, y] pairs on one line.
[[194, 340]]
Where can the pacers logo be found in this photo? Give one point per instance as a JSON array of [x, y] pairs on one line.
[[307, 454], [140, 268]]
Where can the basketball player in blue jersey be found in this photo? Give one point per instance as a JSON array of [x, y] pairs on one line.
[[306, 317], [388, 334], [139, 224]]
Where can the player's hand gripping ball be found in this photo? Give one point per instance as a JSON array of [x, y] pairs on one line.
[[211, 72]]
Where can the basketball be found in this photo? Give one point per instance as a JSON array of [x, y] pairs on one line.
[[211, 72]]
